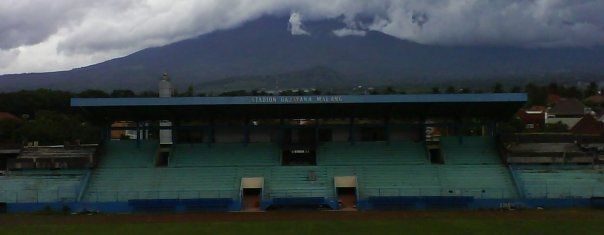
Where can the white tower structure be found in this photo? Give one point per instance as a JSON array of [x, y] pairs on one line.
[[165, 91]]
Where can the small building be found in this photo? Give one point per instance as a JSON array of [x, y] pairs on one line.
[[119, 133], [533, 117], [588, 125], [566, 111], [547, 153]]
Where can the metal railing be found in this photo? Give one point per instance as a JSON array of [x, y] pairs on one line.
[[120, 196], [563, 192], [288, 193], [68, 194], [482, 193]]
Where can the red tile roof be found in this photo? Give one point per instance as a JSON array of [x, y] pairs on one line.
[[588, 125], [595, 99], [568, 107], [4, 116], [532, 115]]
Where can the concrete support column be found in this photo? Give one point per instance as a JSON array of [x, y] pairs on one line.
[[246, 134], [281, 135], [174, 133], [492, 128], [317, 132], [106, 132], [138, 134], [422, 128], [351, 130], [212, 134], [460, 130], [387, 129]]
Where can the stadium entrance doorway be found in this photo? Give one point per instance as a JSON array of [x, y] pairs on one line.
[[163, 156], [251, 193], [436, 156], [346, 190], [435, 153]]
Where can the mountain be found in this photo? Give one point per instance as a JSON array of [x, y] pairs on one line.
[[316, 77], [263, 52]]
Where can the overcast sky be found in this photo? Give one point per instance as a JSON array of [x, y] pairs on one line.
[[51, 35]]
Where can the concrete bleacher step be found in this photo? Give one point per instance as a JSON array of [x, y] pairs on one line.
[[371, 153], [40, 186], [549, 182], [381, 169]]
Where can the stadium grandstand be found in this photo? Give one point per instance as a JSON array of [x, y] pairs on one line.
[[337, 152]]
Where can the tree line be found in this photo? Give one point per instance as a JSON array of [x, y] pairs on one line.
[[48, 118]]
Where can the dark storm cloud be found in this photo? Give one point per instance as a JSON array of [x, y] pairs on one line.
[[28, 22], [75, 32]]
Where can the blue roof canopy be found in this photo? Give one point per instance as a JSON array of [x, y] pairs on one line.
[[292, 100]]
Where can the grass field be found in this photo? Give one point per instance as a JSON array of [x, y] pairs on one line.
[[458, 222]]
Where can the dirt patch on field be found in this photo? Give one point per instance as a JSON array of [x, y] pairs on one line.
[[297, 215]]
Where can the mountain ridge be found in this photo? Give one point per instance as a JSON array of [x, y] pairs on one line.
[[265, 48]]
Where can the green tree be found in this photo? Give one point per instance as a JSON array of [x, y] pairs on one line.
[[54, 128], [497, 88], [122, 94], [189, 92], [571, 92], [29, 102], [536, 95], [591, 89], [90, 93], [148, 94], [553, 88], [9, 131], [435, 90], [234, 93], [389, 90], [515, 89]]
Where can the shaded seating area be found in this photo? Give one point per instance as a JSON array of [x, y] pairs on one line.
[[129, 154], [469, 150], [225, 154], [371, 153]]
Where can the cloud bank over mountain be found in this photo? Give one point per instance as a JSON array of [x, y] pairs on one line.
[[54, 35]]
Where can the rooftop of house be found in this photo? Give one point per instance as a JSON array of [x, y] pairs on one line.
[[588, 125], [595, 99], [553, 98], [535, 109], [532, 114], [4, 116], [568, 107]]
